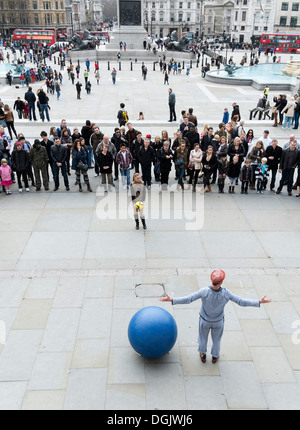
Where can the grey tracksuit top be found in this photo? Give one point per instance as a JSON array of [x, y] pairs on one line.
[[213, 302]]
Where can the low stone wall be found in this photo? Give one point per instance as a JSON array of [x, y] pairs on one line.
[[128, 55]]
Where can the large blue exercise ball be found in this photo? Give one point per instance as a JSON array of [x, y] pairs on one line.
[[152, 332]]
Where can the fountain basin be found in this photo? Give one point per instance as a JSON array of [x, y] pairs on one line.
[[256, 76]]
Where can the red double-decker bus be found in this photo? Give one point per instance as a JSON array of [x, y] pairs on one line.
[[101, 35], [33, 37], [280, 43]]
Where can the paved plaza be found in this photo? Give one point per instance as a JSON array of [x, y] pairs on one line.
[[68, 276]]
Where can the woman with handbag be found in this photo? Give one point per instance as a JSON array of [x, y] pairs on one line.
[[195, 165], [79, 164]]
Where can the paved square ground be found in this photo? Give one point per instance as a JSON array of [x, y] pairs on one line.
[[68, 278]]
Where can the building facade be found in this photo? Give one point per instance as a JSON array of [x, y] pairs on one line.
[[32, 14], [287, 17], [161, 17]]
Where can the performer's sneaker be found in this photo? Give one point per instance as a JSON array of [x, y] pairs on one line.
[[214, 359], [203, 357]]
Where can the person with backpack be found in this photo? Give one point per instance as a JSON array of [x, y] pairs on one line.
[[122, 115]]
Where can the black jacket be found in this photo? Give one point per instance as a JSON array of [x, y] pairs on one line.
[[233, 170], [276, 153], [58, 153], [20, 160], [146, 157], [43, 99], [285, 157], [30, 97], [206, 141], [165, 163], [86, 133], [117, 141]]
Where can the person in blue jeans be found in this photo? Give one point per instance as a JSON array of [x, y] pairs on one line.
[[214, 299], [124, 159]]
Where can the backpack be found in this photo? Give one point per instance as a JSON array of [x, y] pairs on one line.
[[124, 116]]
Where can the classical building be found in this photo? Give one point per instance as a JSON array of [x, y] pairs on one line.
[[287, 16], [218, 18], [161, 17], [31, 14]]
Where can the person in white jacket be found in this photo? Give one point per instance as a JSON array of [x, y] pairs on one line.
[[289, 113], [195, 164]]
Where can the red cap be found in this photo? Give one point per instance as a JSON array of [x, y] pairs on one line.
[[217, 276], [148, 136]]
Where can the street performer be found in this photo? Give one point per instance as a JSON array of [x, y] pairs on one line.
[[214, 298]]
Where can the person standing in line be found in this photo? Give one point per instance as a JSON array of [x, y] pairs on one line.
[[214, 299], [59, 156], [289, 161], [39, 160], [124, 159]]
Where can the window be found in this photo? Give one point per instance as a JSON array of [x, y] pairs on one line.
[[284, 6], [172, 17], [188, 17], [57, 18], [172, 5], [153, 5], [244, 16], [161, 16], [153, 16], [293, 21], [242, 28], [295, 7], [189, 5], [36, 18], [34, 5], [180, 5], [245, 2], [282, 21], [56, 5], [180, 17]]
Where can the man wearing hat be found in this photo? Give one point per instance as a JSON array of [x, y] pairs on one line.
[[214, 298]]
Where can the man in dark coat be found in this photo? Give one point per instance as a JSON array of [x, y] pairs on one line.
[[20, 164], [289, 161], [31, 99], [273, 154], [59, 156]]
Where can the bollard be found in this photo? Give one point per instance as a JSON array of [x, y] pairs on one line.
[[120, 65], [54, 59], [197, 64], [183, 65], [153, 66], [191, 64], [131, 66], [108, 66]]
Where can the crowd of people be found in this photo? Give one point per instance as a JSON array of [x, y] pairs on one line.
[[229, 154]]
